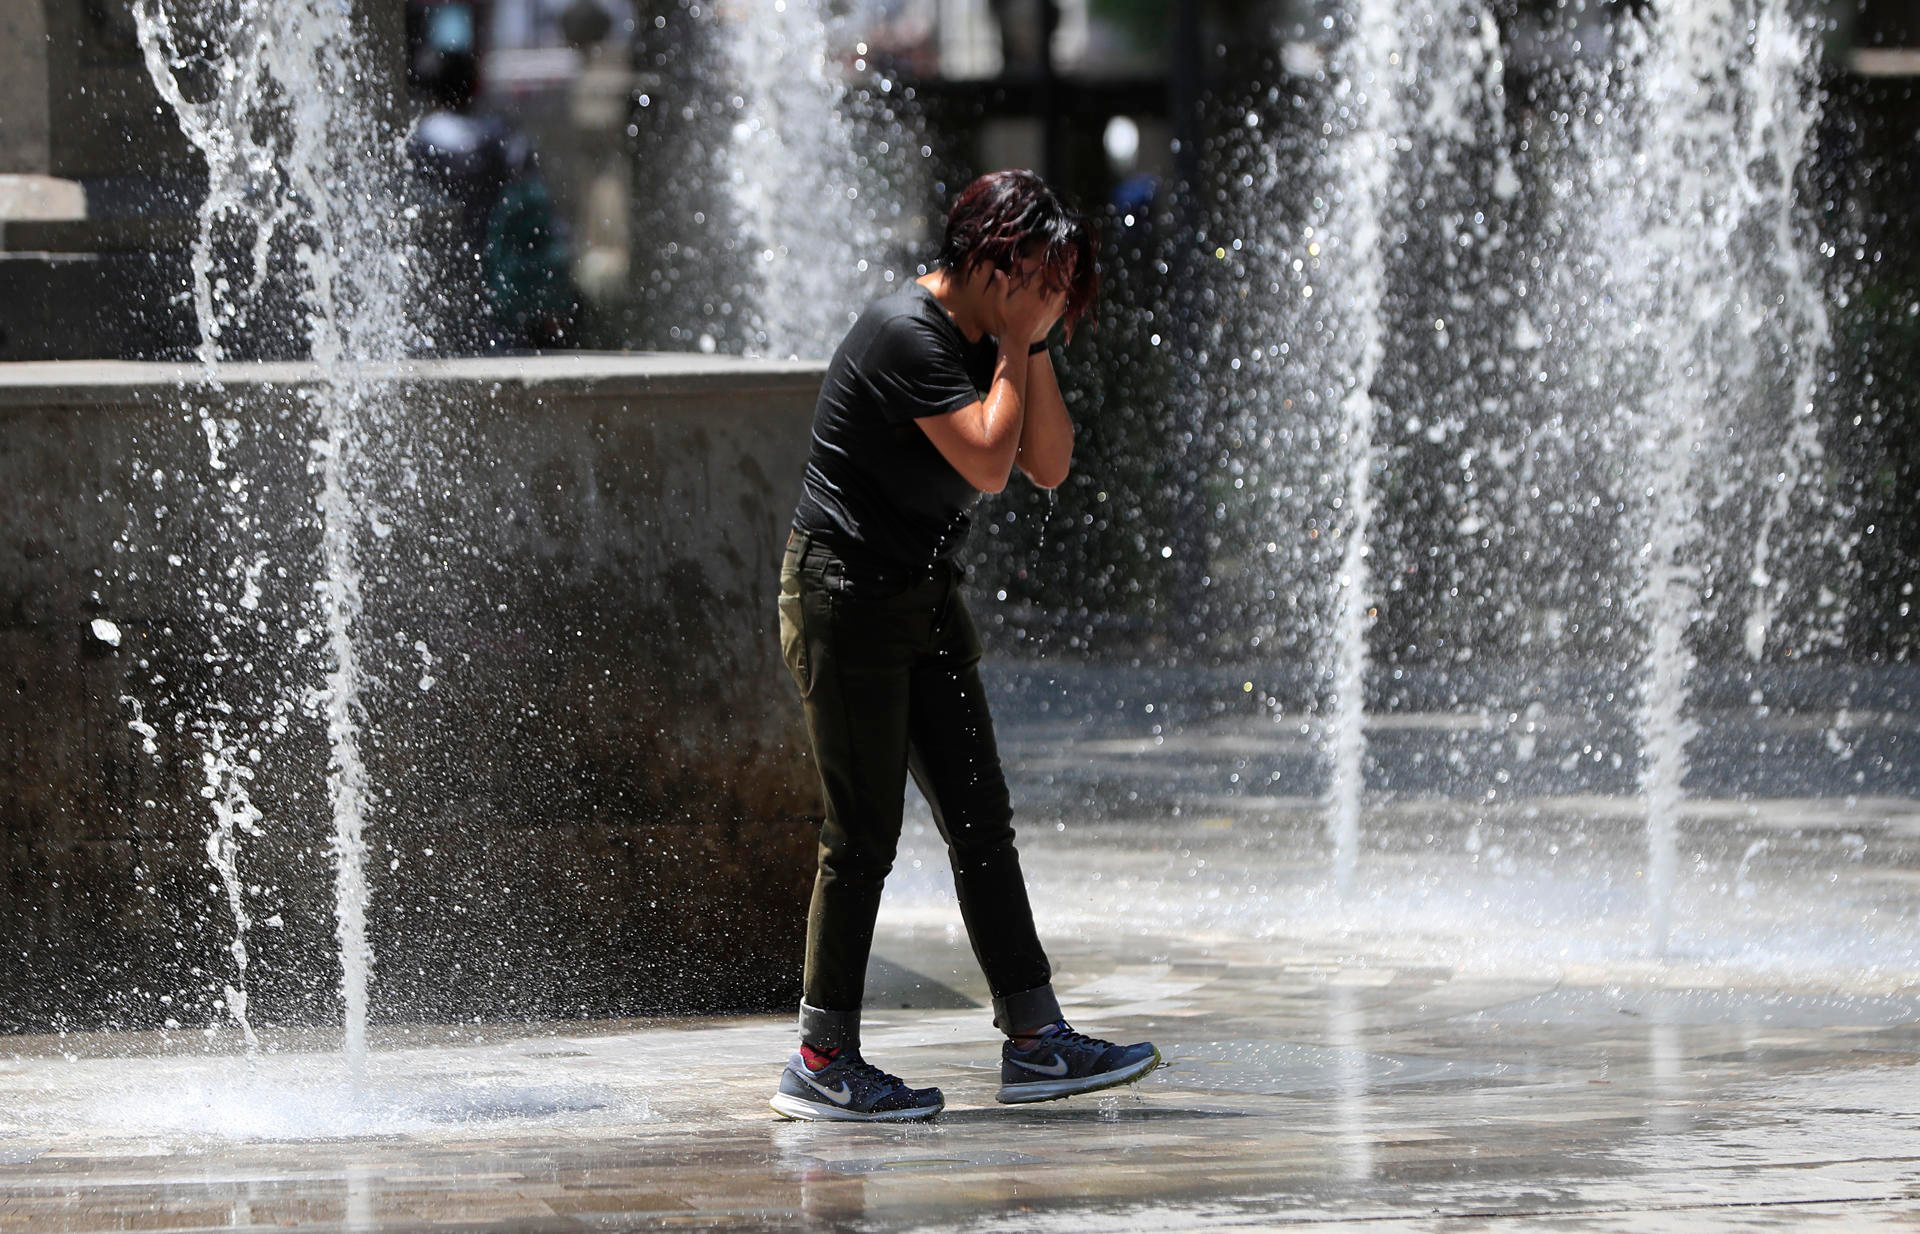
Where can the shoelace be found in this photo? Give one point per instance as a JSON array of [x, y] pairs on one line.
[[867, 1070], [1068, 1036]]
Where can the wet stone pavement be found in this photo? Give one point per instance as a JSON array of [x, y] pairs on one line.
[[1479, 1038], [1304, 1088]]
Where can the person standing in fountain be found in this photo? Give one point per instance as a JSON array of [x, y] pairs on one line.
[[937, 393]]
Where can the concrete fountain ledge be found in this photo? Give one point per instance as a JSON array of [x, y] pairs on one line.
[[596, 375], [591, 793]]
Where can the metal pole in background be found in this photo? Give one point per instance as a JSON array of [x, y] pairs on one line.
[[1052, 134], [1185, 77]]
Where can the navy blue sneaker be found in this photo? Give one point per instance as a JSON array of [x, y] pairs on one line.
[[1063, 1063], [851, 1090]]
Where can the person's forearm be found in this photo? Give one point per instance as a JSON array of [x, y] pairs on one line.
[[981, 441], [1005, 412], [1046, 434]]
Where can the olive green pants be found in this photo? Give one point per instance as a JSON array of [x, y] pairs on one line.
[[889, 678]]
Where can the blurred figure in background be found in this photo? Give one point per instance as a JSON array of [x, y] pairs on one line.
[[501, 248]]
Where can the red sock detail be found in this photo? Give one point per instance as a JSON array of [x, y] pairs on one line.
[[816, 1059], [1028, 1041]]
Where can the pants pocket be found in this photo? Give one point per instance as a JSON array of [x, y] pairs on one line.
[[793, 636]]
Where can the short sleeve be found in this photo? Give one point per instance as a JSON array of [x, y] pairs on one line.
[[916, 371]]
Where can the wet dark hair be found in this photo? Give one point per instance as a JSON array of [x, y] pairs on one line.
[[1006, 215]]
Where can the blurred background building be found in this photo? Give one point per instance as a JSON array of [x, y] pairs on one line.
[[576, 152], [1089, 92]]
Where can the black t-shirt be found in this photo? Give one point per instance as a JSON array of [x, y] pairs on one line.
[[877, 490]]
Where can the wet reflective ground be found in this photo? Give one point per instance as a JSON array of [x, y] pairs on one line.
[[1305, 1087], [1478, 1039]]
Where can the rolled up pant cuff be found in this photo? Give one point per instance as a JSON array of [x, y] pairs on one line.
[[1027, 1009], [829, 1030]]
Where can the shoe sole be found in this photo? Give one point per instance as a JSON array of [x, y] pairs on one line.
[[1053, 1090], [802, 1110]]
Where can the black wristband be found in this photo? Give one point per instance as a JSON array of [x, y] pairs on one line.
[[1036, 348]]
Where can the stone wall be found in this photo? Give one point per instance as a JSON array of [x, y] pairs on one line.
[[99, 187], [590, 787]]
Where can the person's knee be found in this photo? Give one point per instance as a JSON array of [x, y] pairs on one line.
[[850, 861], [982, 831], [984, 855]]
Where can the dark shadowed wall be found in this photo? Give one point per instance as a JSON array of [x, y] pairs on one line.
[[590, 790]]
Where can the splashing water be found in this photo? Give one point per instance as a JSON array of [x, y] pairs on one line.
[[298, 157], [1694, 316], [234, 815], [1681, 200], [1778, 137], [1364, 162], [219, 138], [1582, 330], [821, 218]]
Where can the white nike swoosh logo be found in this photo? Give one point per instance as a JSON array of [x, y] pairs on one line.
[[839, 1096], [1057, 1067]]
